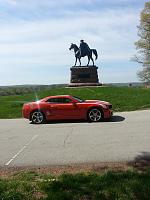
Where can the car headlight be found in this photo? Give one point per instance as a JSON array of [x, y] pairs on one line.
[[104, 106], [107, 106]]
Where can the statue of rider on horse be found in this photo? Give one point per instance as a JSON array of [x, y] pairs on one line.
[[82, 51], [84, 48]]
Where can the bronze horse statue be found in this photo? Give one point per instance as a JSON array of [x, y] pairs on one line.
[[87, 53]]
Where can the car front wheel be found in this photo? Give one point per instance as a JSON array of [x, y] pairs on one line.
[[95, 115], [37, 117]]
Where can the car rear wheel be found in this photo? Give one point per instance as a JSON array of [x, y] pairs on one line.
[[95, 115], [37, 117]]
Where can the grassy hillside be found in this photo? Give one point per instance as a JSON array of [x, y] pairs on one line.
[[122, 98]]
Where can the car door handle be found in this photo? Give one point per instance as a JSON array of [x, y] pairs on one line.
[[53, 106]]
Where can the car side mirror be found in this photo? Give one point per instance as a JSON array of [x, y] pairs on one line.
[[74, 103]]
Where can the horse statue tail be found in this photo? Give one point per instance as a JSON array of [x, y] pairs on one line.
[[95, 53]]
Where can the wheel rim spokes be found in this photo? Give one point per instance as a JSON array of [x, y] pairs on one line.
[[95, 115], [37, 117]]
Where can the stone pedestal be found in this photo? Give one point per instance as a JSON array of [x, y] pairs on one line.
[[84, 76]]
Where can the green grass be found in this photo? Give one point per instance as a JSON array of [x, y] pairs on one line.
[[128, 185], [122, 98]]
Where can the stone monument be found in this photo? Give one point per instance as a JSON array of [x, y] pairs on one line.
[[84, 75]]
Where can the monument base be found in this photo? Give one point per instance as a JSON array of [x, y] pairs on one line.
[[84, 84], [84, 76]]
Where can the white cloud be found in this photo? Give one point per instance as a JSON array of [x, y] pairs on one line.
[[46, 42], [66, 2], [106, 31]]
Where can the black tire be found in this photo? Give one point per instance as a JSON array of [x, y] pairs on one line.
[[37, 117], [95, 115]]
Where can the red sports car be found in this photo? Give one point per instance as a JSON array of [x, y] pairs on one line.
[[66, 107]]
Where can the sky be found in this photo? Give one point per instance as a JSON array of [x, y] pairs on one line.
[[35, 37]]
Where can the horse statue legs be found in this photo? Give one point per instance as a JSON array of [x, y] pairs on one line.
[[75, 62], [90, 58], [79, 61], [77, 58]]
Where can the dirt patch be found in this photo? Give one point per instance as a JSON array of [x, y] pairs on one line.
[[73, 168]]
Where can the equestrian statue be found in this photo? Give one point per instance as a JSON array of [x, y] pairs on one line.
[[83, 51]]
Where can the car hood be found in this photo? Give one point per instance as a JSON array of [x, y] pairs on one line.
[[97, 102]]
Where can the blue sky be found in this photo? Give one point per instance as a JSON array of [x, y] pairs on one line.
[[36, 35]]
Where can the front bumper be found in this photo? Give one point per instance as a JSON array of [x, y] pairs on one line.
[[108, 113]]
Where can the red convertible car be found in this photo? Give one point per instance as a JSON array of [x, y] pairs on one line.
[[66, 107]]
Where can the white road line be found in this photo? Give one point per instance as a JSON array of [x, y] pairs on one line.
[[21, 150]]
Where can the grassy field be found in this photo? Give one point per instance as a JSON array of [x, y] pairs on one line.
[[122, 98], [127, 185]]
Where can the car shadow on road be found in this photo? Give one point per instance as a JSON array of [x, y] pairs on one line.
[[141, 162], [68, 121], [115, 118]]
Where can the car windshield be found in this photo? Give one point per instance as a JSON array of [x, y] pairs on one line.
[[78, 99]]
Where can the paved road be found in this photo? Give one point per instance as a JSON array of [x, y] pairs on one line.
[[124, 138]]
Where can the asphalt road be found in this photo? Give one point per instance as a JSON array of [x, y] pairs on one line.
[[124, 138]]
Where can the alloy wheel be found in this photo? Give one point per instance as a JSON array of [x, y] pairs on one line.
[[37, 117], [95, 115]]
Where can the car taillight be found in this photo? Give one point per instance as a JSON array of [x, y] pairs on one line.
[[26, 106]]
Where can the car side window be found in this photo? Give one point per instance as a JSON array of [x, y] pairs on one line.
[[53, 100], [59, 100], [66, 100]]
